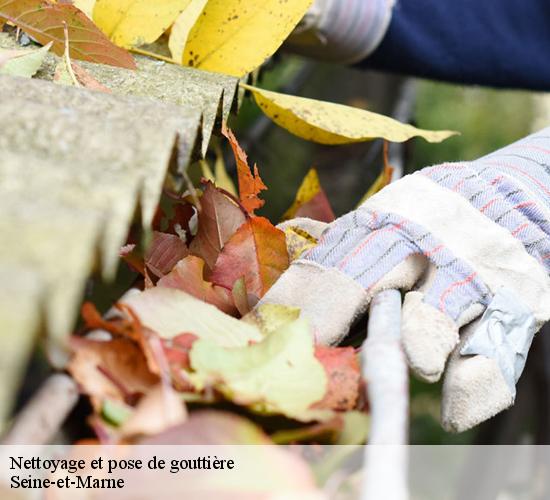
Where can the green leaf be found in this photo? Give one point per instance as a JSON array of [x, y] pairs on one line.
[[23, 63], [278, 375]]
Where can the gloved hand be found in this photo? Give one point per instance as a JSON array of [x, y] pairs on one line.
[[344, 31], [467, 239]]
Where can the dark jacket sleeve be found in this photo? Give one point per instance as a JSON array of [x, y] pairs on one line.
[[500, 43]]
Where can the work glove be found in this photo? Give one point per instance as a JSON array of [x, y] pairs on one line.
[[344, 31], [470, 244]]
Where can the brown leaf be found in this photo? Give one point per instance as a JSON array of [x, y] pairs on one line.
[[344, 376], [45, 21], [87, 80], [188, 275], [218, 220], [115, 369], [256, 251], [250, 184]]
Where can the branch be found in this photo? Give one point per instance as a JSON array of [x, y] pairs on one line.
[[42, 417]]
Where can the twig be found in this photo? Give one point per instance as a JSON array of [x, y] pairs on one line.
[[385, 370], [42, 417], [385, 367]]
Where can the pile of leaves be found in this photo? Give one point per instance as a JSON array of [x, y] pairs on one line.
[[195, 335]]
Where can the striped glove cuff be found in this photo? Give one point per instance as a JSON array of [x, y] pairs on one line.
[[344, 31]]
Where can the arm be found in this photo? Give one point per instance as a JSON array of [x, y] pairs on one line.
[[501, 43]]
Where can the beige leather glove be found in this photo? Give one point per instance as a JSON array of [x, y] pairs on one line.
[[464, 240]]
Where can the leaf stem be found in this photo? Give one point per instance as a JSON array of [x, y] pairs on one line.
[[142, 52]]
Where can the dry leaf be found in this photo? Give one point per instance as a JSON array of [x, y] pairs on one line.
[[257, 252], [86, 6], [45, 22], [278, 375], [330, 123], [182, 27], [209, 427], [165, 251], [311, 201], [344, 375], [158, 410], [188, 275], [24, 63], [218, 220], [170, 312], [250, 184], [298, 241], [236, 36], [115, 369], [130, 23]]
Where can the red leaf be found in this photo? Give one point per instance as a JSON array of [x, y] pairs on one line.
[[218, 220], [344, 376], [256, 251], [318, 208], [188, 275], [44, 21], [250, 184], [165, 251], [177, 349]]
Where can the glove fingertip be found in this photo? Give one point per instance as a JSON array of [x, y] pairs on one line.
[[474, 390], [429, 336]]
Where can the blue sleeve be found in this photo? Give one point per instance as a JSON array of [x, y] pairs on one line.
[[500, 43]]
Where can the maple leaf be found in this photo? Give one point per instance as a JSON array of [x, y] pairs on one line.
[[344, 376], [257, 252], [45, 21], [250, 184], [218, 220], [188, 275]]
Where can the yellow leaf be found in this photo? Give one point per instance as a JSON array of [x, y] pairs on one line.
[[308, 189], [330, 123], [207, 171], [236, 36], [130, 23], [86, 6], [182, 27], [298, 241], [311, 201], [222, 177], [219, 176]]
